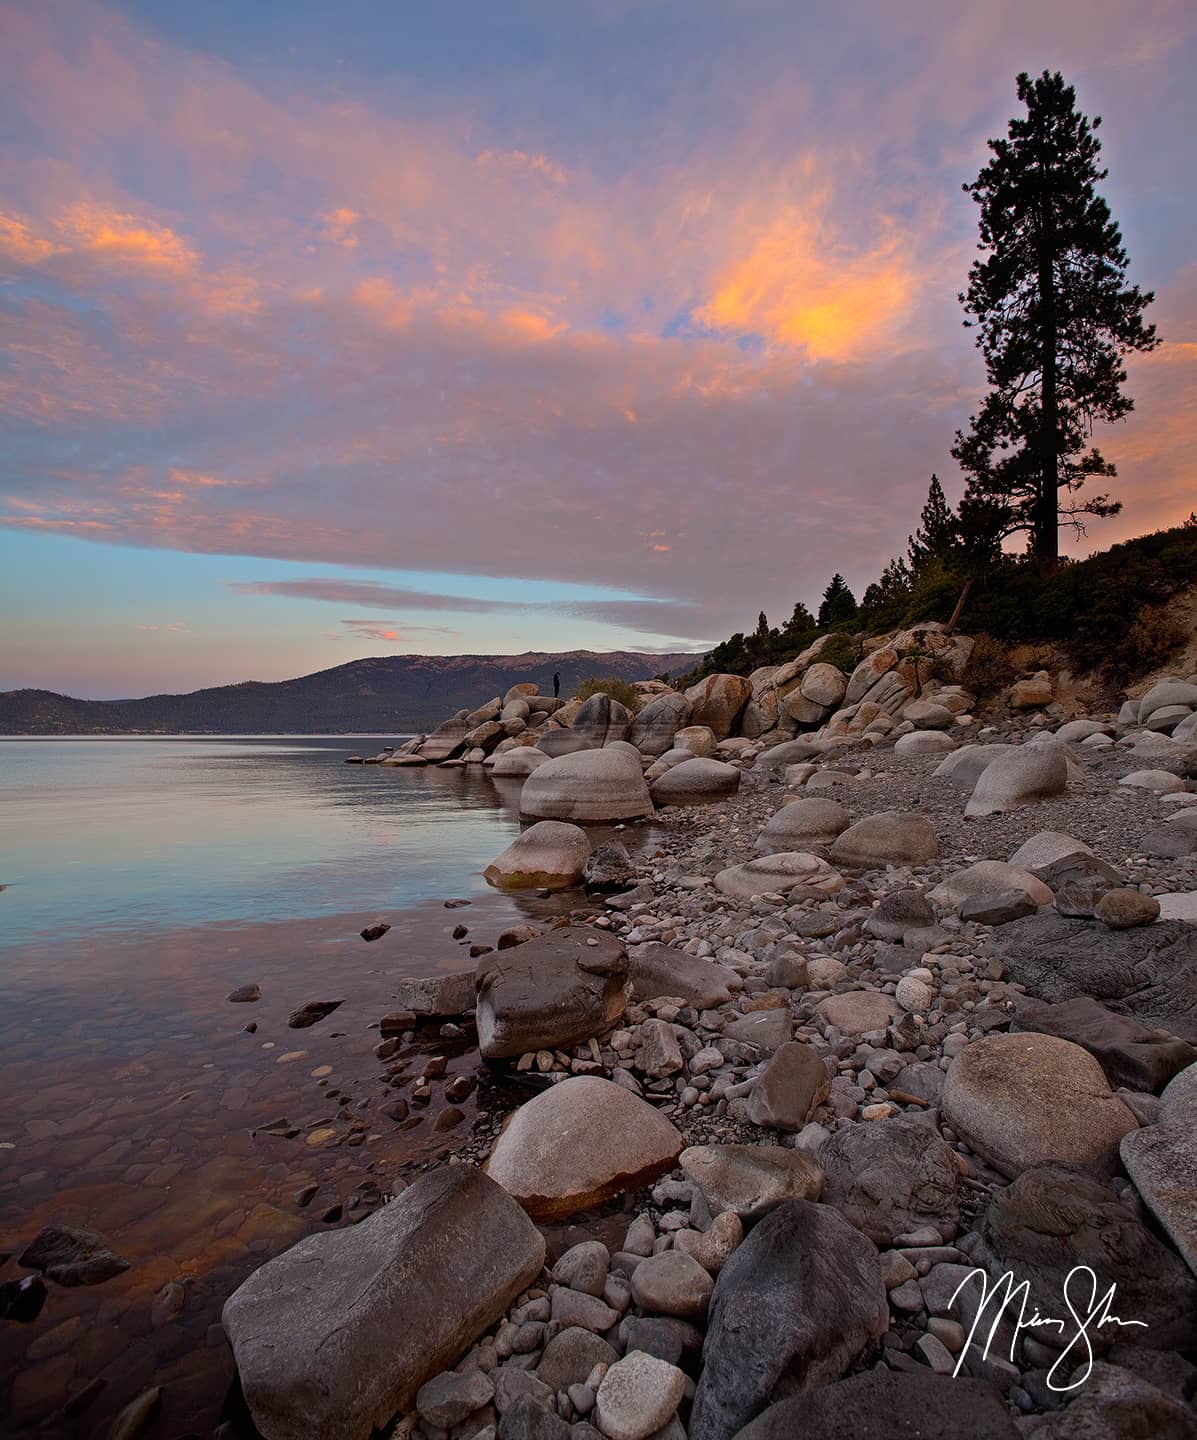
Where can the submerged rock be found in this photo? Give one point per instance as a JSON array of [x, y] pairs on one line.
[[549, 855], [589, 787]]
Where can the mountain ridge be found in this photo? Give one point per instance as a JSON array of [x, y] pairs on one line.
[[376, 693]]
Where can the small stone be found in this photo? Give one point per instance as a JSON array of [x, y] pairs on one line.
[[1124, 909], [672, 1283], [637, 1396]]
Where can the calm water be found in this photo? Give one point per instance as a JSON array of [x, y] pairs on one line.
[[112, 836], [145, 880]]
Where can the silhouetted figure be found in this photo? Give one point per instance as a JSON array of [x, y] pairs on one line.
[[556, 686]]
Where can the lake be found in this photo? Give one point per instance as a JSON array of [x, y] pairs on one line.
[[145, 880]]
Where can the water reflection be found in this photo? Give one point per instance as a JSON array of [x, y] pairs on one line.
[[149, 880]]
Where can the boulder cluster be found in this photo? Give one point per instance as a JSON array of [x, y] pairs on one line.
[[849, 1038]]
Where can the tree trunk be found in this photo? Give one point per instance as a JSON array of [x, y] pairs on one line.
[[1047, 507], [960, 604]]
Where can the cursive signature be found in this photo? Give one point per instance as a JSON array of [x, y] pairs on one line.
[[1095, 1312]]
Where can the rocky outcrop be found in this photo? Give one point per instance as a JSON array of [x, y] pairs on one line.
[[655, 725], [336, 1335]]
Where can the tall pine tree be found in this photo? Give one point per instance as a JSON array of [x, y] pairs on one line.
[[1055, 317], [838, 604], [938, 533]]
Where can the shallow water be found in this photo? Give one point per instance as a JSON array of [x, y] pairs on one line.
[[147, 880]]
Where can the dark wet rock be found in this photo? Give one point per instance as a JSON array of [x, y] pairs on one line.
[[22, 1300], [664, 1336], [69, 1256], [435, 997], [336, 1335], [609, 868], [1149, 973], [1000, 908], [311, 1012], [796, 1304], [396, 1023], [1115, 1404], [554, 991], [1053, 1218], [890, 1178], [525, 1419], [1131, 1054], [136, 1415], [375, 931], [662, 970], [245, 995], [889, 1405]]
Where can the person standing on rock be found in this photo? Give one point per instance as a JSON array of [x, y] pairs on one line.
[[556, 685]]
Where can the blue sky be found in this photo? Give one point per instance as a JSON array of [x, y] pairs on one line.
[[474, 328]]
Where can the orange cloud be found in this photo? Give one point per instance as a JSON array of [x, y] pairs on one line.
[[125, 239], [800, 287], [339, 227], [531, 326]]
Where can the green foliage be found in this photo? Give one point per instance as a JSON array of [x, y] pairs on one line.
[[937, 539], [842, 651], [1054, 317], [988, 669], [838, 605], [622, 690]]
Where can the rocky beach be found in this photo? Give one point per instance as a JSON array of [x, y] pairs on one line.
[[892, 996]]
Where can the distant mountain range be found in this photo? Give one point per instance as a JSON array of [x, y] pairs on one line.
[[385, 694]]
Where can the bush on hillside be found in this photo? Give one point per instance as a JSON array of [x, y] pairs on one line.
[[989, 669], [842, 651], [622, 690]]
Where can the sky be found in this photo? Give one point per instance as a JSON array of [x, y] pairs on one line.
[[393, 327]]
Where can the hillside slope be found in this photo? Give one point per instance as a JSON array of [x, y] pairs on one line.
[[383, 694]]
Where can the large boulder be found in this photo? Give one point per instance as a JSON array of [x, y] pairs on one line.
[[661, 970], [796, 1304], [520, 761], [964, 767], [654, 727], [590, 787], [859, 1012], [336, 1335], [925, 714], [891, 1177], [1027, 1099], [802, 824], [548, 855], [988, 878], [1165, 694], [578, 1144], [779, 872], [558, 989], [823, 684], [891, 838], [695, 782], [1021, 777], [1131, 1054], [1148, 973], [718, 701], [698, 740], [1054, 1218], [602, 720], [751, 1180], [1162, 1161], [890, 1405], [868, 672], [435, 996], [924, 742], [1033, 693]]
